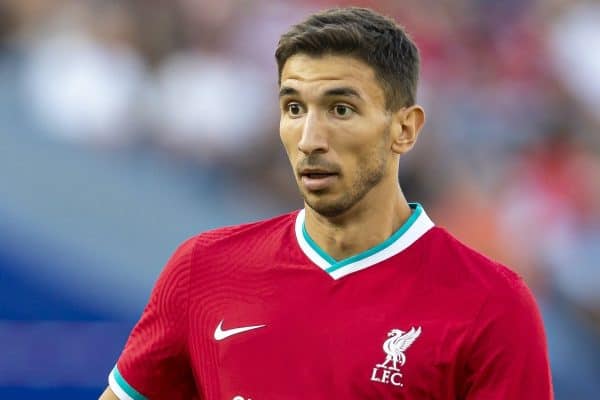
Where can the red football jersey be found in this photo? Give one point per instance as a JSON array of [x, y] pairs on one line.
[[259, 311]]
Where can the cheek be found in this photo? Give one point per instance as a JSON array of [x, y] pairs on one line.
[[287, 139], [358, 156], [349, 148]]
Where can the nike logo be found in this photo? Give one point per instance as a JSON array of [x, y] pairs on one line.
[[221, 334]]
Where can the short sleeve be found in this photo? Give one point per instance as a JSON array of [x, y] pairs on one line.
[[507, 357], [154, 363]]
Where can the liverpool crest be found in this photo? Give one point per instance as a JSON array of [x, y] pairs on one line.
[[394, 347]]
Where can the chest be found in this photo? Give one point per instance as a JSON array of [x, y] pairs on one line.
[[309, 337]]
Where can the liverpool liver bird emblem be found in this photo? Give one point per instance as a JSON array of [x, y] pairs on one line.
[[396, 345]]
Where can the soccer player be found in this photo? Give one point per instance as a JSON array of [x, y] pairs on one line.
[[356, 296]]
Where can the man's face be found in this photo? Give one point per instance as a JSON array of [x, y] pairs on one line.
[[335, 128]]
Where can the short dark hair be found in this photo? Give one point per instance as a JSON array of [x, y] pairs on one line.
[[366, 35]]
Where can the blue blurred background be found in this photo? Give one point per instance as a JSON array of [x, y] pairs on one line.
[[127, 126]]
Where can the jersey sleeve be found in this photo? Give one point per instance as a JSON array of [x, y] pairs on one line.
[[507, 356], [154, 363]]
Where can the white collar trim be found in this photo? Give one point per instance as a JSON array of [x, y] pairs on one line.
[[416, 226]]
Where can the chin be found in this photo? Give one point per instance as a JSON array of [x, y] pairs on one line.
[[327, 208]]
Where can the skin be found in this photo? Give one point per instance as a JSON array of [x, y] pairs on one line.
[[333, 117], [108, 395]]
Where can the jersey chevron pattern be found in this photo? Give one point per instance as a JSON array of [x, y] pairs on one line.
[[259, 311]]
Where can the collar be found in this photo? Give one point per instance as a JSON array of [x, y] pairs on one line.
[[415, 226]]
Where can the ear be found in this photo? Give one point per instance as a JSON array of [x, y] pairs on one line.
[[407, 124]]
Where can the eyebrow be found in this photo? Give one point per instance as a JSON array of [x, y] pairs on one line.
[[338, 91], [287, 91], [342, 91]]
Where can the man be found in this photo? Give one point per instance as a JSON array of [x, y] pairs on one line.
[[358, 295]]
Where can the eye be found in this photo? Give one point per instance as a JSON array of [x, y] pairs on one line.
[[294, 109], [342, 111]]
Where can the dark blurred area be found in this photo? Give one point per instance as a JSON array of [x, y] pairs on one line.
[[128, 126]]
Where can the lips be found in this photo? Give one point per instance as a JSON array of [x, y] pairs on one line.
[[316, 171], [317, 179], [317, 175]]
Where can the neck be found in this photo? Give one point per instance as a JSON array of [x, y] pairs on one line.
[[370, 222]]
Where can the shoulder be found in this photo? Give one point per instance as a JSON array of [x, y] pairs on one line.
[[500, 345], [226, 246], [236, 241], [498, 307], [254, 231], [472, 286], [457, 264]]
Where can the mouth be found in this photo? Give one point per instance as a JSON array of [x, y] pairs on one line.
[[317, 179], [317, 174]]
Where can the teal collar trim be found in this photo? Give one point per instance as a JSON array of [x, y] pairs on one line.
[[415, 227], [121, 388]]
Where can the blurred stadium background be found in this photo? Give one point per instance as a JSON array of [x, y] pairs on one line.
[[127, 126]]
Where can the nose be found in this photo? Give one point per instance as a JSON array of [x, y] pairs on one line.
[[313, 139]]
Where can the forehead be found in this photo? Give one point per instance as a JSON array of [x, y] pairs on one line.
[[314, 75]]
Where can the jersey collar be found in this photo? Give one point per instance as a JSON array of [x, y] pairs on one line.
[[415, 227]]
